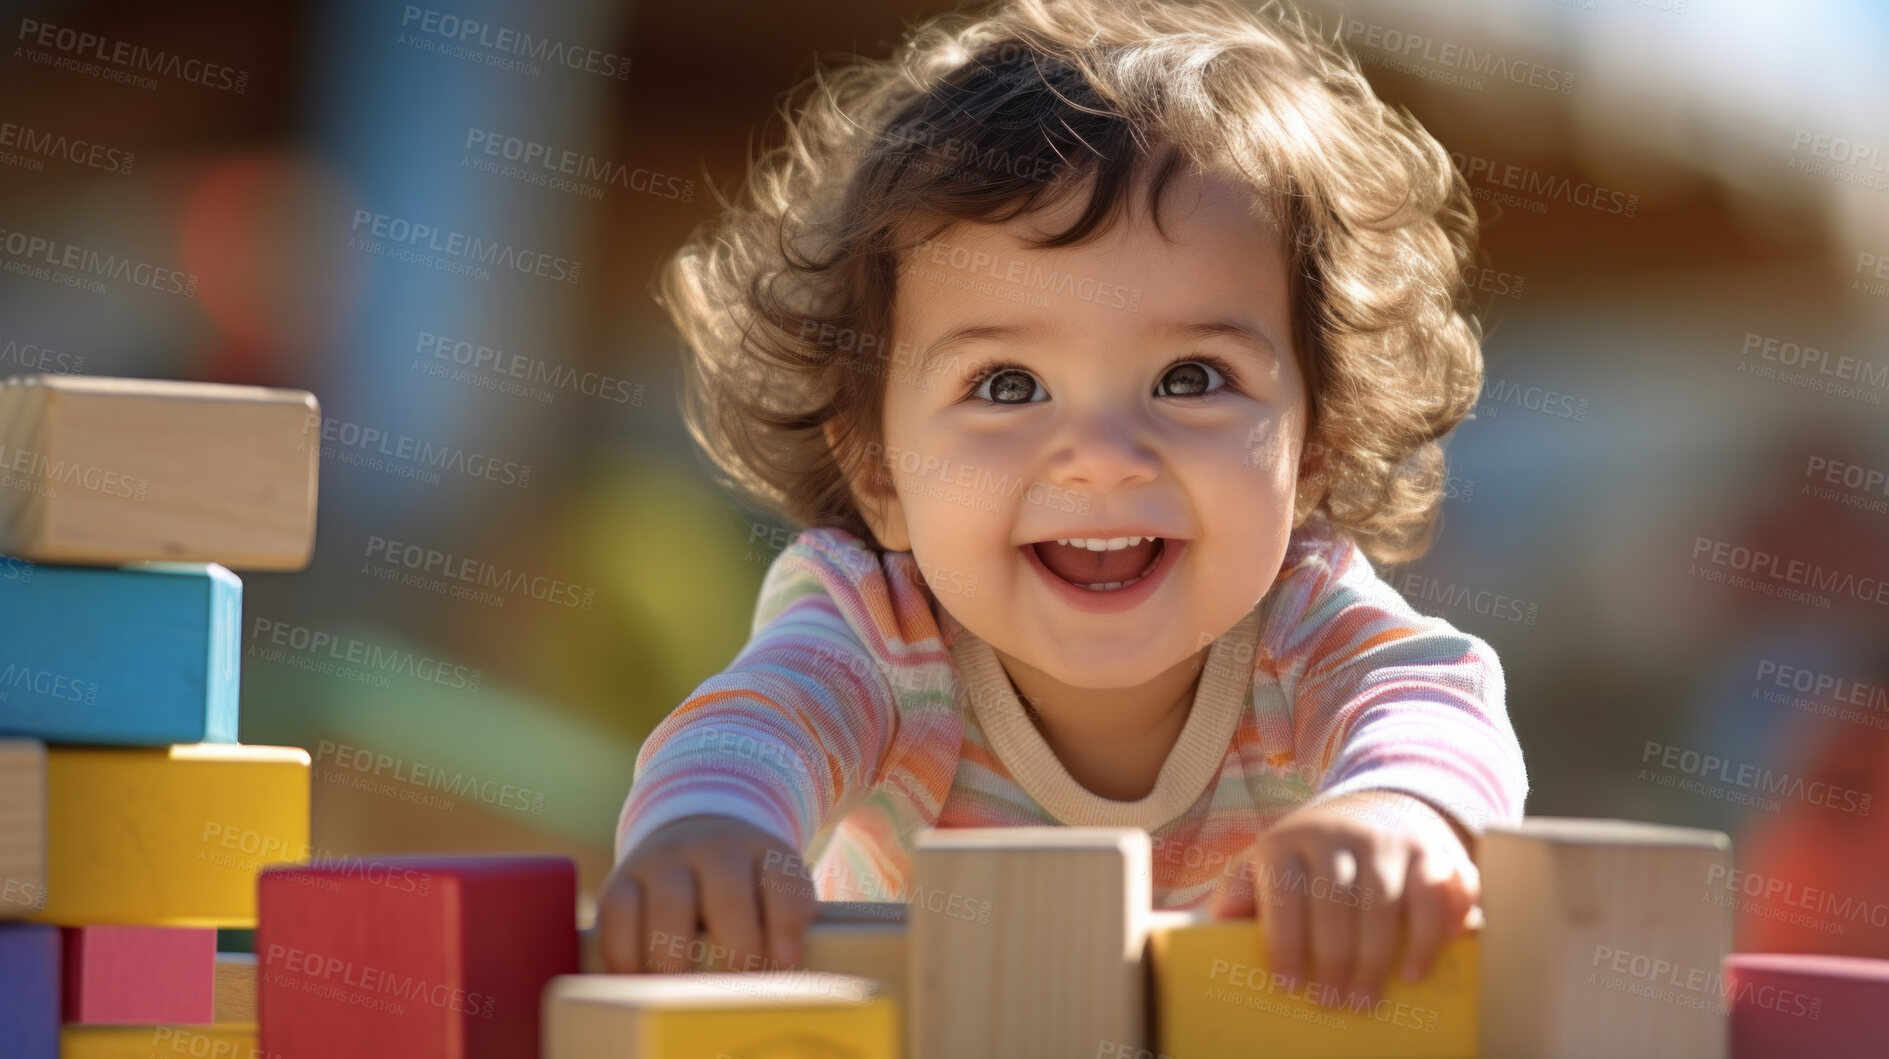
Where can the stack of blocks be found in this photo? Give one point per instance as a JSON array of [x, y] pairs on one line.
[[132, 824]]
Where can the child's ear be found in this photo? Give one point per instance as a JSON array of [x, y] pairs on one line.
[[877, 500]]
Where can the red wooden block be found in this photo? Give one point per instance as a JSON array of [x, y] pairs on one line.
[[118, 974], [1789, 1005], [415, 958]]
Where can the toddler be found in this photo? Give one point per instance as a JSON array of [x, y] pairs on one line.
[[1099, 348]]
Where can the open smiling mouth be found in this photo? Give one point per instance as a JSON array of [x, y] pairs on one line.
[[1101, 565]]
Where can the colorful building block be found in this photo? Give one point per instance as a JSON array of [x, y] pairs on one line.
[[159, 1042], [1785, 1005], [106, 471], [1215, 996], [1028, 942], [120, 975], [762, 1015], [1602, 937], [22, 827], [172, 836], [235, 987], [416, 958], [147, 655], [29, 991]]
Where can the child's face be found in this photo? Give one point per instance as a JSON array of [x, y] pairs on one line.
[[1103, 429]]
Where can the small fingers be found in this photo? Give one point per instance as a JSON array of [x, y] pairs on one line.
[[670, 921], [1426, 912], [1281, 901], [1334, 922], [787, 906], [731, 911], [1380, 892], [620, 924]]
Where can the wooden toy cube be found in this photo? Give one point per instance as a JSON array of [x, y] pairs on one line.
[[415, 958], [106, 471]]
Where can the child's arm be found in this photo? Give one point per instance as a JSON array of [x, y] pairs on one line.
[[1405, 718], [745, 772]]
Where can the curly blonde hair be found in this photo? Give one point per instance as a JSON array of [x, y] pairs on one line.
[[984, 116]]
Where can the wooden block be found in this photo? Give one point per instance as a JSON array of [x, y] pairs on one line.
[[1602, 937], [147, 655], [1028, 942], [170, 837], [1786, 1005], [235, 987], [412, 958], [764, 1015], [861, 938], [235, 1041], [29, 990], [106, 471], [120, 975], [1215, 995], [22, 827]]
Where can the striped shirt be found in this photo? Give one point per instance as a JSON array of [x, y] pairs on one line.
[[860, 713]]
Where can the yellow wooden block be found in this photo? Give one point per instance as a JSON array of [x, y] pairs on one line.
[[22, 827], [172, 836], [235, 996], [766, 1015], [106, 471], [232, 1041], [1215, 997]]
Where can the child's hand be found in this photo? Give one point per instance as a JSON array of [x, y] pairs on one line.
[[1350, 872], [714, 869]]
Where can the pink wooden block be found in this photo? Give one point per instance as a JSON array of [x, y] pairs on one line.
[[118, 974], [1791, 1005]]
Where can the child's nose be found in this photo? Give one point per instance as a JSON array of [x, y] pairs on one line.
[[1102, 448]]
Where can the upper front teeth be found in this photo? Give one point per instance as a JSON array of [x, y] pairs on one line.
[[1098, 544]]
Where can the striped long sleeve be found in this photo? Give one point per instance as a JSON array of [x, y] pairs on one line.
[[800, 721], [1385, 698]]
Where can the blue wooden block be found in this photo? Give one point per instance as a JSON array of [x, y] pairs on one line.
[[139, 655], [29, 990]]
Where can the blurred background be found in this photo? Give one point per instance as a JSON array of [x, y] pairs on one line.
[[1668, 515]]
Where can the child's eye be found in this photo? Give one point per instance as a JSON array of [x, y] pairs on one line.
[[1194, 378], [1007, 384]]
